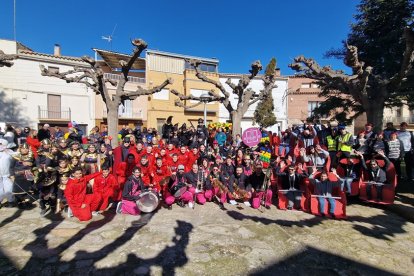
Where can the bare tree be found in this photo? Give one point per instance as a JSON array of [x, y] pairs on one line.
[[363, 91], [246, 96], [6, 60], [93, 78]]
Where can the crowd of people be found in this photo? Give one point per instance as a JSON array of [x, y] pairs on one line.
[[86, 174]]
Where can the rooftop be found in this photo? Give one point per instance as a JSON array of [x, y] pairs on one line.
[[112, 59], [208, 60]]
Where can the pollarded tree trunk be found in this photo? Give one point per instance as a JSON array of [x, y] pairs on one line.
[[236, 118], [112, 118], [374, 110]]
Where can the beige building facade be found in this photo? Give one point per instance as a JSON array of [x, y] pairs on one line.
[[163, 65]]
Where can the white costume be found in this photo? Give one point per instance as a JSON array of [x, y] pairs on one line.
[[6, 185]]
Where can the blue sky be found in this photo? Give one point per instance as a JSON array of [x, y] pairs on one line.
[[235, 32]]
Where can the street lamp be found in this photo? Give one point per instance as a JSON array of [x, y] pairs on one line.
[[205, 97]]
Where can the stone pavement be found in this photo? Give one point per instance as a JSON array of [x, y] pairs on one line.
[[207, 241]]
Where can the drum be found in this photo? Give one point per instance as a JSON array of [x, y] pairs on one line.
[[148, 201], [178, 189]]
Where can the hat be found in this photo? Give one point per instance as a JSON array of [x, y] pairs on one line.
[[127, 139], [46, 142], [25, 146], [46, 125], [215, 142], [62, 140], [180, 167], [341, 127]]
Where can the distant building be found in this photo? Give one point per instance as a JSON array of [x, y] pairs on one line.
[[302, 98], [257, 85], [29, 99], [162, 65]]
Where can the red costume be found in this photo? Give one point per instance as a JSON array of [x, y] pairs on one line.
[[76, 196], [107, 187], [146, 171], [159, 174]]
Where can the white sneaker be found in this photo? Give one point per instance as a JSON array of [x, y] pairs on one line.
[[95, 213], [70, 214], [233, 202], [190, 205], [247, 203], [119, 207]]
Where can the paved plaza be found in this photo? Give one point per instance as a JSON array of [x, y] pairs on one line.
[[208, 241]]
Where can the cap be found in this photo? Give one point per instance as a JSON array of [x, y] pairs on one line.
[[180, 167], [62, 140], [215, 142], [46, 125]]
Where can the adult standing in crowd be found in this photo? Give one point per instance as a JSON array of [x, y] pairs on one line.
[[44, 132], [407, 139]]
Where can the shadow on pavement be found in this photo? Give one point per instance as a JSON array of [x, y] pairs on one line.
[[381, 227], [47, 261], [312, 261]]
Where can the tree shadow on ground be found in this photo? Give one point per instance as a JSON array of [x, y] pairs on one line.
[[312, 261], [10, 219], [288, 223], [381, 227], [45, 260], [11, 111]]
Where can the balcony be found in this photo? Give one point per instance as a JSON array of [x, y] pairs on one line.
[[54, 113], [128, 114], [117, 77]]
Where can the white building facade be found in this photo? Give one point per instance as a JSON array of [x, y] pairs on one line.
[[29, 99], [279, 95]]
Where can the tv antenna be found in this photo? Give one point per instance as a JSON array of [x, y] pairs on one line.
[[110, 37]]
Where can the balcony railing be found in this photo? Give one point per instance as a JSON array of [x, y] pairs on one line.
[[398, 120], [129, 114], [54, 113], [118, 77]]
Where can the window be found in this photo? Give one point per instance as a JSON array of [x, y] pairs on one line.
[[125, 110], [399, 112], [203, 67], [305, 85], [311, 107], [160, 123], [162, 95], [315, 85], [54, 106]]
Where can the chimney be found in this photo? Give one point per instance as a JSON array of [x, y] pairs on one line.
[[56, 51], [277, 72]]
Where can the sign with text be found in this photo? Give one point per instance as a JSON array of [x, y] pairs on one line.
[[251, 136]]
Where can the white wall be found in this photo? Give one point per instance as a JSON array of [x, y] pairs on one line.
[[26, 89], [257, 85]]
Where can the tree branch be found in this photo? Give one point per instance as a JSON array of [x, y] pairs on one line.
[[196, 63], [5, 60], [143, 92]]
